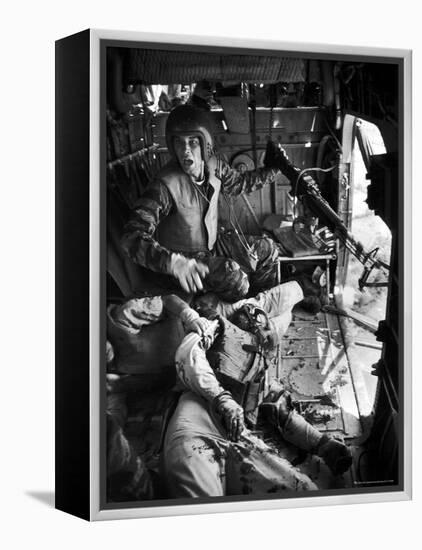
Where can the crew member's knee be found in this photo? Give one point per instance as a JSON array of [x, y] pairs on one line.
[[194, 467], [227, 279]]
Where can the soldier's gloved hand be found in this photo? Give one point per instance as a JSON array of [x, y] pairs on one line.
[[192, 322], [232, 415], [275, 156], [188, 272]]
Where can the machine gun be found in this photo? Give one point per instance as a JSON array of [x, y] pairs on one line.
[[303, 185]]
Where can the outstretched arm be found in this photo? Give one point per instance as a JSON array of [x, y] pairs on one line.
[[138, 239], [193, 368], [191, 320], [234, 182], [196, 374]]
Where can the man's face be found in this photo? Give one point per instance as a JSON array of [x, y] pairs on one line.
[[188, 153], [206, 305]]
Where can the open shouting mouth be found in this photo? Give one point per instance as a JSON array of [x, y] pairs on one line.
[[187, 163]]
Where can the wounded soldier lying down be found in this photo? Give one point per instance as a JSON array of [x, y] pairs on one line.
[[208, 451]]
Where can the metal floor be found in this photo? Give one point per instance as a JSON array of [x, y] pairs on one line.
[[313, 365]]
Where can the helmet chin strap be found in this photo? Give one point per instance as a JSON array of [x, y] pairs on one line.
[[202, 175]]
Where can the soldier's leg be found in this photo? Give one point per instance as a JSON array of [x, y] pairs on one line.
[[226, 279], [279, 300], [298, 431], [199, 461], [275, 301], [267, 273], [256, 255], [253, 468], [194, 451]]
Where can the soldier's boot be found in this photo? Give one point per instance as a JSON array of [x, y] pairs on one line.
[[314, 294], [296, 430], [335, 453]]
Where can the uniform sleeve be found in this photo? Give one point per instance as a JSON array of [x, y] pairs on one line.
[[234, 182], [138, 238], [193, 369], [132, 315]]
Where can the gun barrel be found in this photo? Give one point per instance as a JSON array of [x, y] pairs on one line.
[[305, 185]]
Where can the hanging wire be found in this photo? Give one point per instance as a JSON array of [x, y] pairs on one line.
[[238, 229], [339, 145]]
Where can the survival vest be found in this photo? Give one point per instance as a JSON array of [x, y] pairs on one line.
[[191, 226], [239, 366]]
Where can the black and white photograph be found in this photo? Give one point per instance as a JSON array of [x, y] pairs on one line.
[[210, 274], [253, 274]]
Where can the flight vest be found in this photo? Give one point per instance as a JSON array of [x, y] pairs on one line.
[[191, 225], [239, 367]]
